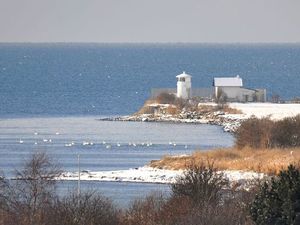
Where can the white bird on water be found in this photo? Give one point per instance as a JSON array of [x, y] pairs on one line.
[[118, 144], [70, 144], [21, 141], [87, 143]]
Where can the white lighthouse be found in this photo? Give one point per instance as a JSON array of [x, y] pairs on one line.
[[184, 85]]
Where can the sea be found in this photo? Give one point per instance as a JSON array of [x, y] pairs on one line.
[[52, 95]]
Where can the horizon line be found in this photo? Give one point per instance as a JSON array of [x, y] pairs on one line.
[[183, 43]]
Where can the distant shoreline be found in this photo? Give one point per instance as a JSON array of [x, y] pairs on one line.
[[229, 121]]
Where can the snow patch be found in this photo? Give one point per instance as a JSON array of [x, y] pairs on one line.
[[147, 174]]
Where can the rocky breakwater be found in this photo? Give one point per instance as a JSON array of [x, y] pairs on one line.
[[229, 122]]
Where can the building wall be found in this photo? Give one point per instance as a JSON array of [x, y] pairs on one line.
[[238, 94], [208, 93], [184, 86], [261, 95]]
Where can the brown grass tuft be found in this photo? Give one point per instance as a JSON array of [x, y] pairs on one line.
[[269, 161], [229, 110], [146, 109], [171, 110]]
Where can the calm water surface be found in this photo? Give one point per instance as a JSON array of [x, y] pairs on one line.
[[35, 135]]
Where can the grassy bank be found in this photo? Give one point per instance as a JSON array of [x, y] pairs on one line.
[[269, 161]]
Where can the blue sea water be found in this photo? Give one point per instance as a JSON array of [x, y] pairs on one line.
[[64, 88], [36, 133], [114, 79]]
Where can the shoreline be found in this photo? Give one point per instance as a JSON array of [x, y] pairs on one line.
[[230, 122], [237, 178]]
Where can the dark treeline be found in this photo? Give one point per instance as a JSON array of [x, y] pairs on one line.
[[201, 196], [266, 133]]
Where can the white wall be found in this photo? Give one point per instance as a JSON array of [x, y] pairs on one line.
[[237, 93], [184, 88]]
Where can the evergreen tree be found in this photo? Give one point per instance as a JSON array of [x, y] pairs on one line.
[[278, 201]]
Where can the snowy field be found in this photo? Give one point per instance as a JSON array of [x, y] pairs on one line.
[[276, 111], [152, 175]]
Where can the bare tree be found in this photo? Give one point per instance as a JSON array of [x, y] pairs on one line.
[[201, 183], [93, 209], [29, 197], [221, 98]]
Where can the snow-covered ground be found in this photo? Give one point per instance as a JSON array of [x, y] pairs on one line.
[[276, 111], [152, 175], [142, 174]]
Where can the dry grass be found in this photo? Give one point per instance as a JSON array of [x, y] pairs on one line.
[[146, 109], [206, 108], [229, 110], [172, 110], [269, 161], [210, 108]]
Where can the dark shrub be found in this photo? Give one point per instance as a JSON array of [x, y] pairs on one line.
[[88, 208], [278, 202], [286, 132], [264, 133], [145, 211], [201, 183], [254, 133], [29, 199]]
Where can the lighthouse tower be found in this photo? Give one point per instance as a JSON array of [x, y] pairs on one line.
[[184, 85]]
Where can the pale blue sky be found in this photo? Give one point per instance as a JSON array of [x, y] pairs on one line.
[[149, 20]]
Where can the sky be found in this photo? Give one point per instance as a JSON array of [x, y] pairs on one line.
[[208, 21]]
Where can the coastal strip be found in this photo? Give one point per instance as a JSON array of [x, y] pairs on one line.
[[146, 174], [229, 117]]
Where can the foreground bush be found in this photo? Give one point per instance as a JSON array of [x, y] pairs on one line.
[[32, 199], [201, 183], [198, 198], [88, 208], [278, 202], [28, 199]]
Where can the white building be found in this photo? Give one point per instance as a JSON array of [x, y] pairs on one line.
[[232, 88], [184, 85]]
